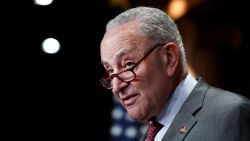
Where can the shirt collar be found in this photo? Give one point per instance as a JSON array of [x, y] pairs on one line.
[[176, 100]]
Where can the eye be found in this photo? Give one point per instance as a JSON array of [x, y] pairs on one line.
[[110, 71], [129, 64]]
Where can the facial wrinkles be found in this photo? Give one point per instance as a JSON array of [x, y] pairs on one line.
[[128, 91], [118, 44]]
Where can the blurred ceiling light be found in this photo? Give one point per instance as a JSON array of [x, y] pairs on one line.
[[124, 4], [177, 8], [50, 46], [43, 2]]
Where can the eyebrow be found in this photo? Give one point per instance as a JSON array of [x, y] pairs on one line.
[[120, 54]]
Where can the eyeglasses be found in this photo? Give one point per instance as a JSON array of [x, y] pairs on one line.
[[127, 75]]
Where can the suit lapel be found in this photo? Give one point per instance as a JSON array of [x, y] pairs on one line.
[[143, 138], [184, 120]]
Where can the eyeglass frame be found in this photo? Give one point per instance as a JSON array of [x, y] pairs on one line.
[[107, 77]]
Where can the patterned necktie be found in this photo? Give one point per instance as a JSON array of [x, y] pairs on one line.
[[154, 128]]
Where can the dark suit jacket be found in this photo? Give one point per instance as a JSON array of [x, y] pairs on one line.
[[211, 114]]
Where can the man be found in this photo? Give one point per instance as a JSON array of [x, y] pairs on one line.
[[143, 54]]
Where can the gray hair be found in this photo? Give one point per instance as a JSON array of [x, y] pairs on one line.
[[154, 23]]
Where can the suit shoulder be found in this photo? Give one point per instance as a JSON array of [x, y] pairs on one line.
[[226, 98]]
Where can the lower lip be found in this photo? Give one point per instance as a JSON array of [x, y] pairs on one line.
[[130, 101]]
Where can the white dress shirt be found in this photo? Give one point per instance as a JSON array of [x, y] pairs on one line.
[[174, 104]]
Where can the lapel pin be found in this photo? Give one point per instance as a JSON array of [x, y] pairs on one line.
[[183, 129]]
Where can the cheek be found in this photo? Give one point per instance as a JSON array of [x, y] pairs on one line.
[[153, 78], [153, 85]]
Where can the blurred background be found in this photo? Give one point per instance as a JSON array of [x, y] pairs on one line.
[[50, 62]]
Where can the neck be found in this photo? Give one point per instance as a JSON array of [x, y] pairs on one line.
[[180, 74]]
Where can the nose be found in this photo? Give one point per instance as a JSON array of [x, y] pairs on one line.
[[118, 85]]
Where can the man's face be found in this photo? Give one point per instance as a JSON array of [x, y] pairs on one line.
[[147, 94]]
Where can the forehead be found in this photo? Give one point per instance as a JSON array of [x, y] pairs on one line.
[[120, 41]]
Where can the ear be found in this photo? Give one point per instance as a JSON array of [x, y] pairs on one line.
[[170, 57]]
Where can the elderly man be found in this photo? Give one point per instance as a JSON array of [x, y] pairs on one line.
[[146, 69]]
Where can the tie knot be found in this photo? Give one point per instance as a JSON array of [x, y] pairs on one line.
[[154, 128]]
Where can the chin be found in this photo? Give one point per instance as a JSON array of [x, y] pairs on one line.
[[136, 115]]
